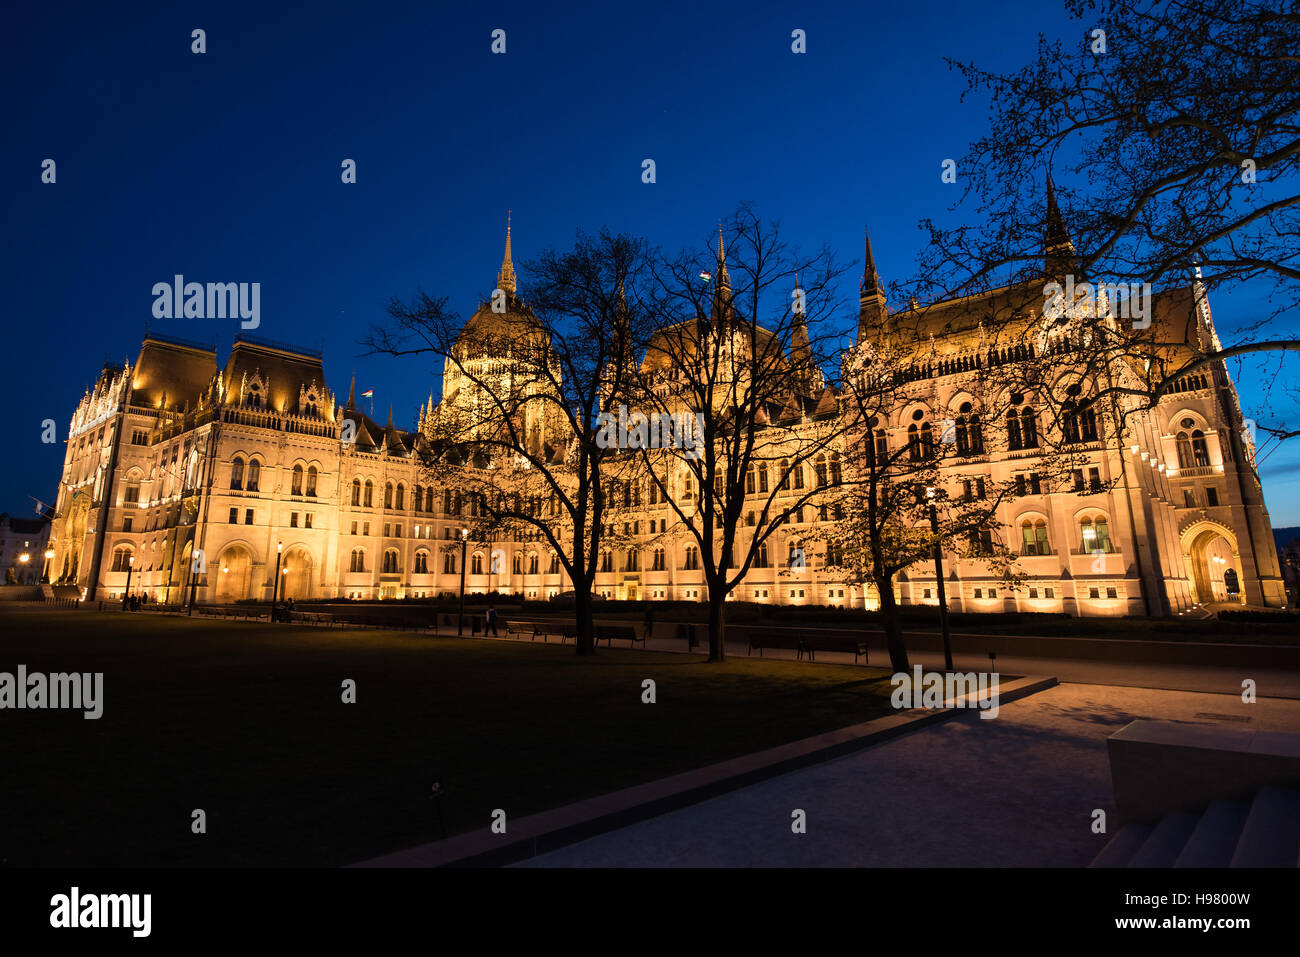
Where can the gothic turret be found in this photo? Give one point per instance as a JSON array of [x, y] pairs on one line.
[[873, 313]]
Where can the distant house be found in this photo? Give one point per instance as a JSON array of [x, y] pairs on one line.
[[22, 548]]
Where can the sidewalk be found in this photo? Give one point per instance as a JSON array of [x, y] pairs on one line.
[[1017, 791]]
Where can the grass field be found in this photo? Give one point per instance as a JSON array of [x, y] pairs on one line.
[[246, 722]]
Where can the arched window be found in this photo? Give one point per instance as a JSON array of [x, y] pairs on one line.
[[785, 475], [121, 558], [762, 477], [750, 487], [311, 480], [1078, 418], [692, 559], [428, 499], [532, 563], [554, 568], [797, 471], [1184, 446], [370, 493], [254, 474], [476, 564], [1014, 439], [417, 498], [422, 562], [633, 560], [388, 495], [356, 491], [1034, 536], [449, 563], [358, 560], [969, 435], [296, 486], [837, 474], [1095, 535], [1028, 428], [1200, 452], [390, 562], [914, 443], [517, 564], [401, 496], [237, 474], [819, 469]]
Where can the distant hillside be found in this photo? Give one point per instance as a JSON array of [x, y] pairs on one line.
[[1285, 536]]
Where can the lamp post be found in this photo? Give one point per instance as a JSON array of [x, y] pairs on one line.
[[49, 557], [126, 595], [938, 577], [275, 583], [194, 587], [460, 618]]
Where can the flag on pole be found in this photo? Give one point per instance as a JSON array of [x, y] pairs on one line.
[[368, 394], [705, 275]]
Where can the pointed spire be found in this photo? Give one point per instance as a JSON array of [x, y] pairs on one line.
[[873, 312], [352, 393], [390, 416], [724, 280], [870, 277], [506, 278], [1059, 257]]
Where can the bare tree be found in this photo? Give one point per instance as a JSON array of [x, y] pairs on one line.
[[742, 366], [1178, 124], [522, 385]]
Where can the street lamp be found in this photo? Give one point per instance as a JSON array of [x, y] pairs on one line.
[[938, 577], [275, 582], [49, 557], [130, 564], [460, 618]]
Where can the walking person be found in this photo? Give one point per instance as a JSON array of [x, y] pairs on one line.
[[491, 621], [649, 622]]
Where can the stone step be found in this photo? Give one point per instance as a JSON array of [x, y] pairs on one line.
[[1216, 835], [1271, 834], [1120, 849], [1166, 841]]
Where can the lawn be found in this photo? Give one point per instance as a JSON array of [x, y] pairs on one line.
[[246, 721]]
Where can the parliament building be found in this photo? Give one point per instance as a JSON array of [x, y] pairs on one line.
[[256, 464]]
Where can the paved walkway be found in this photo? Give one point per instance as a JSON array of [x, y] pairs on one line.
[[1018, 790], [1273, 683]]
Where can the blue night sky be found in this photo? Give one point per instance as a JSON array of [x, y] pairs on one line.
[[226, 166]]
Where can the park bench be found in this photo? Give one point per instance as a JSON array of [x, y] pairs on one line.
[[844, 643], [782, 639], [608, 633]]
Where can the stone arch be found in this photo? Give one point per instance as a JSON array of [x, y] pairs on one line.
[[1210, 551], [297, 569], [233, 573]]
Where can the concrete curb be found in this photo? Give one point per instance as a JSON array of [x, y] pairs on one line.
[[548, 830]]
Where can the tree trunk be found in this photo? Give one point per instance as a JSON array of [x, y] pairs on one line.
[[717, 628], [891, 617], [585, 643]]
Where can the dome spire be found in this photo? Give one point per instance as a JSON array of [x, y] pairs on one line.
[[506, 278]]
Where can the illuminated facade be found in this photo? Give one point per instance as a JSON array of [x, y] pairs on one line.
[[174, 456]]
